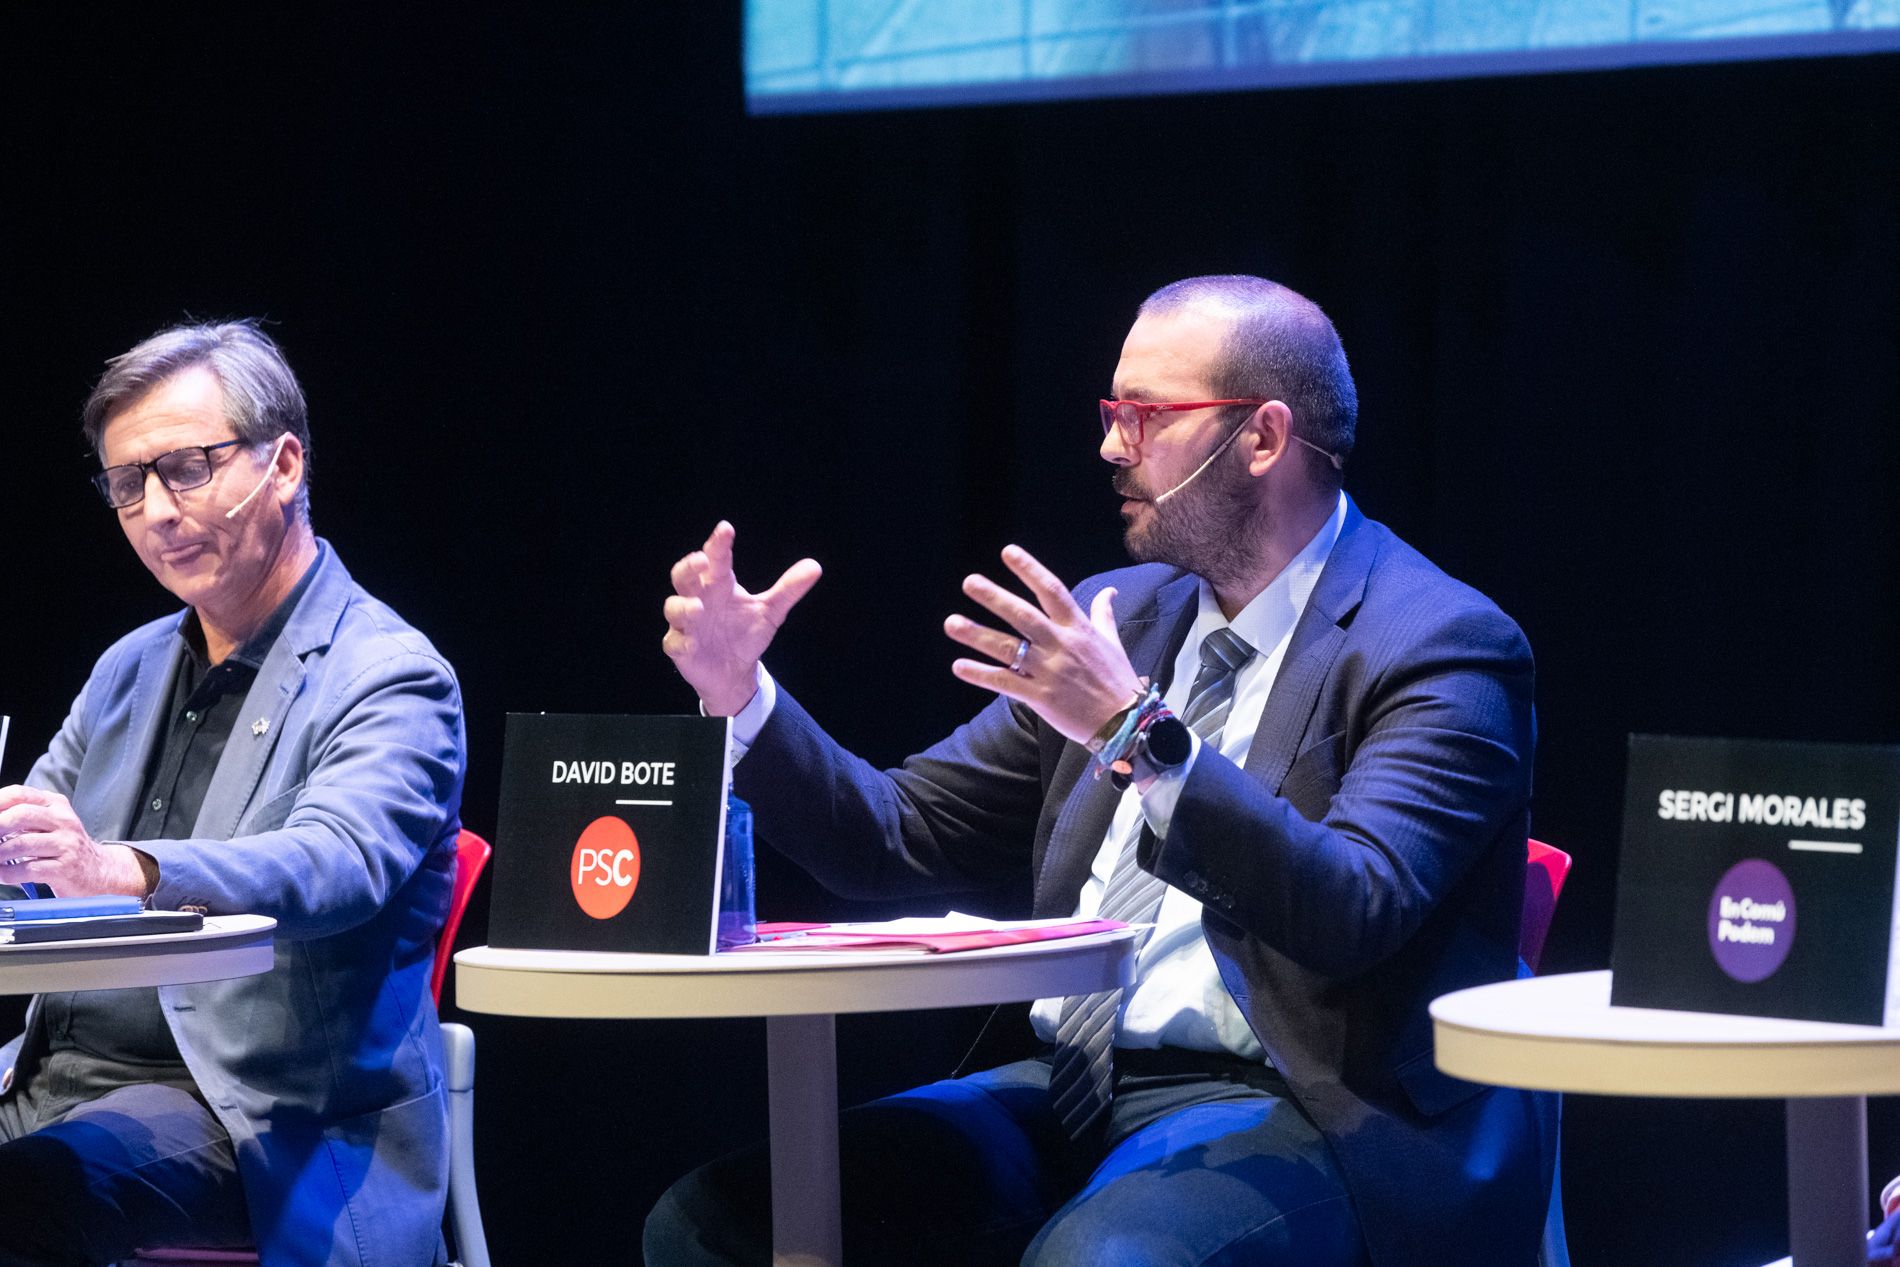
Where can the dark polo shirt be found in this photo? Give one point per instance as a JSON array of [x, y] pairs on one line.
[[99, 1040]]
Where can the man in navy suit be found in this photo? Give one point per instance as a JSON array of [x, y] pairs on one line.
[[1319, 742]]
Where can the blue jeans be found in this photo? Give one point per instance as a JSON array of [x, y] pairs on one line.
[[1193, 1169], [141, 1165]]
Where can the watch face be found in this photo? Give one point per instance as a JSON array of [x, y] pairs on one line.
[[1169, 742]]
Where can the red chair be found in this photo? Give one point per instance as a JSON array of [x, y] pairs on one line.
[[1544, 871], [458, 1074], [466, 1236], [1543, 882]]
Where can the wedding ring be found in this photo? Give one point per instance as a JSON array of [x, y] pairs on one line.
[[1022, 654]]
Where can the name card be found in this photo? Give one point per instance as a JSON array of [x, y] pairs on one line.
[[610, 833], [1758, 878]]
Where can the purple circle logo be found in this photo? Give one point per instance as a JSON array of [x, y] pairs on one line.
[[1751, 920]]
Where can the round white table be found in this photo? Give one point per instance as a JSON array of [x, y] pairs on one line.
[[1559, 1033], [800, 993], [227, 946]]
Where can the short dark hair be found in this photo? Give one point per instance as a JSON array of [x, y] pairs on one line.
[[262, 399], [1281, 346]]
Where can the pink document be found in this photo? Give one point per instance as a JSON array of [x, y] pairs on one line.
[[919, 936]]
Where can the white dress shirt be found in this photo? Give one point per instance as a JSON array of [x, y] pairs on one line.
[[1178, 999]]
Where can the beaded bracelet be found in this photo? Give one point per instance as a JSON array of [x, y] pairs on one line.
[[1136, 716], [1101, 737], [1122, 772]]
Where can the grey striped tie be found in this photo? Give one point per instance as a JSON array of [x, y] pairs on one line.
[[1082, 1069]]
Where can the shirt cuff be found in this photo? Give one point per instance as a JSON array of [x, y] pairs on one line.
[[1158, 802], [148, 867], [750, 720]]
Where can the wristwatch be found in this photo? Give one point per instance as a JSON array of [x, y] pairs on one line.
[[1162, 745]]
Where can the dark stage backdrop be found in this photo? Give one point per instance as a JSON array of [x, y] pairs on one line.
[[1628, 347]]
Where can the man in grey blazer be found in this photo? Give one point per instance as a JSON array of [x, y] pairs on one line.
[[286, 746], [1330, 834]]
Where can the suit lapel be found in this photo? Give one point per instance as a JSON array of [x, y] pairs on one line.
[[252, 741], [1310, 652], [1153, 639], [279, 681]]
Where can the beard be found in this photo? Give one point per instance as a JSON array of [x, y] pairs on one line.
[[1209, 526]]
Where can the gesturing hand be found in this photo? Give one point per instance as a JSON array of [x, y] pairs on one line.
[[42, 841], [716, 631], [1074, 673]]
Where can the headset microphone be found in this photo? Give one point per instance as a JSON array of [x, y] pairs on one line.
[[270, 469], [1218, 450]]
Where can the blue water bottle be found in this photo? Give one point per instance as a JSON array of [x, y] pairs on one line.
[[737, 922]]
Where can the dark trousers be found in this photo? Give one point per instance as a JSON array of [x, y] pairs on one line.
[[139, 1166], [1195, 1167]]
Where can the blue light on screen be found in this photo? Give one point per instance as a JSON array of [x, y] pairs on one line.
[[842, 54]]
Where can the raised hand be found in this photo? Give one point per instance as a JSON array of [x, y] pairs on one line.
[[1072, 670], [716, 631]]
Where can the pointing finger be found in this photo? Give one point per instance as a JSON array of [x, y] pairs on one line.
[[1102, 611]]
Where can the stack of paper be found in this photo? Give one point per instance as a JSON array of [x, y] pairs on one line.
[[940, 935]]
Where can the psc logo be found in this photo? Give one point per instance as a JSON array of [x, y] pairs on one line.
[[605, 867]]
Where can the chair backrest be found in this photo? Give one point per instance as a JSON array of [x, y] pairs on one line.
[[1544, 874], [471, 855]]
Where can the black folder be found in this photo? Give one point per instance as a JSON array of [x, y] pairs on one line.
[[85, 927]]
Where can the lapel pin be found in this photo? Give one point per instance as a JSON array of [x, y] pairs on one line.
[[259, 726]]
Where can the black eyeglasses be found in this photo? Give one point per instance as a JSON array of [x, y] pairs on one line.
[[178, 470]]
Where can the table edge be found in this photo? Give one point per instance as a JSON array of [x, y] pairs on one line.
[[1832, 1061], [705, 987]]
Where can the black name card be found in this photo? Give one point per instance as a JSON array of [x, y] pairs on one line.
[[1758, 878], [610, 833]]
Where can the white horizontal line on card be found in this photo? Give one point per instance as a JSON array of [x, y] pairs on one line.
[[1825, 846], [1856, 847]]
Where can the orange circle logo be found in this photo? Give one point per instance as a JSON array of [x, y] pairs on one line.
[[605, 867]]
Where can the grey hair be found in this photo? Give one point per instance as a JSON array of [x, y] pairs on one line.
[[262, 399], [1280, 346]]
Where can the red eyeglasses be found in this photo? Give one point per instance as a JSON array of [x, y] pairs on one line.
[[1132, 417]]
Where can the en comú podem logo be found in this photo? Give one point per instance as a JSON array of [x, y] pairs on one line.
[[605, 868]]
